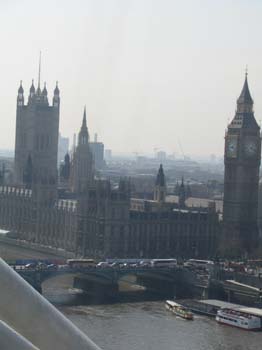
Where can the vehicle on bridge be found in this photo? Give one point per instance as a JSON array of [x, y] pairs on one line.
[[103, 264], [199, 263], [163, 263], [78, 263]]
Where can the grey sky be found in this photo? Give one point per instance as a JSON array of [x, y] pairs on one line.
[[151, 72]]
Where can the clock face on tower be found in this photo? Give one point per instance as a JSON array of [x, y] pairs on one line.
[[231, 147], [250, 148]]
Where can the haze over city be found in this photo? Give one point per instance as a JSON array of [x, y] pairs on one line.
[[151, 73]]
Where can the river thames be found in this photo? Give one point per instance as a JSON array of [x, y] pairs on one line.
[[149, 326]]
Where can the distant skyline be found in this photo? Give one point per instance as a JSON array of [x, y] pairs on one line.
[[151, 73]]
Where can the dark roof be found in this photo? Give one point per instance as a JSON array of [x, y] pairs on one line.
[[245, 96], [244, 117], [44, 91], [21, 90], [32, 88], [56, 91], [244, 120]]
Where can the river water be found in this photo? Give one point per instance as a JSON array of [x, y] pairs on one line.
[[149, 326]]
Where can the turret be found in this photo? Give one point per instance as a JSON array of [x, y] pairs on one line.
[[20, 96], [44, 94], [160, 186], [31, 92], [182, 195], [56, 98]]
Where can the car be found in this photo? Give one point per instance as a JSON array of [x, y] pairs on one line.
[[133, 265], [115, 264], [144, 264], [30, 266], [41, 266], [103, 264], [51, 267]]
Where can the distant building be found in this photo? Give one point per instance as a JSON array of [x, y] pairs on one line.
[[161, 156], [108, 154]]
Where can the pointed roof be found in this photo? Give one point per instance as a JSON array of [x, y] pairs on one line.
[[56, 91], [83, 135], [84, 119], [20, 90], [32, 88], [44, 91], [244, 117], [160, 179], [245, 96]]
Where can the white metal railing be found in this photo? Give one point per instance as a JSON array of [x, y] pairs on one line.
[[11, 340]]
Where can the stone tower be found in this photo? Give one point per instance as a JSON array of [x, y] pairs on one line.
[[182, 195], [160, 186], [242, 161], [36, 141], [82, 165]]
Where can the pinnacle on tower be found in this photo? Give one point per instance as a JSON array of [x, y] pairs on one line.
[[160, 179], [20, 90], [160, 186], [44, 92], [83, 134], [245, 96], [32, 88], [56, 91], [182, 194], [84, 119]]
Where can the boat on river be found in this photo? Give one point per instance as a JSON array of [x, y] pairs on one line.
[[239, 319], [179, 310]]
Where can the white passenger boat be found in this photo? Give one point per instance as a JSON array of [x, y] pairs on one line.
[[237, 318]]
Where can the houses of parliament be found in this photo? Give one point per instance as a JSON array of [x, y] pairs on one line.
[[100, 220]]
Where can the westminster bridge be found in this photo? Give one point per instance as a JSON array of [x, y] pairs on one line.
[[104, 282]]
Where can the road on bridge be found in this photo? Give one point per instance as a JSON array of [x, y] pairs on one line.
[[11, 252]]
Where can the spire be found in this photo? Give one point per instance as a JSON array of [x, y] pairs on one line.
[[245, 96], [83, 134], [160, 186], [32, 88], [160, 179], [244, 117], [44, 92], [56, 98], [84, 119], [56, 91], [20, 90], [182, 194]]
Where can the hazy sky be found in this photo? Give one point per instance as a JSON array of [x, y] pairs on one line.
[[151, 72]]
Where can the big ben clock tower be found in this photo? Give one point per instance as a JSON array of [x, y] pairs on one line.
[[242, 161]]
